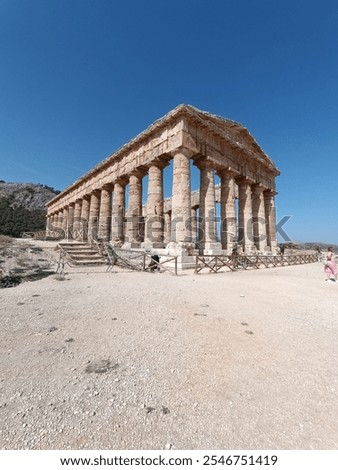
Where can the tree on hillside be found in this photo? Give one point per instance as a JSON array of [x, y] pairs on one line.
[[18, 219]]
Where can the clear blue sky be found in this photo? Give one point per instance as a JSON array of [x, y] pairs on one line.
[[79, 78]]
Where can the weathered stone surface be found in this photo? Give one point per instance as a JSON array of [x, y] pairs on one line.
[[188, 219]]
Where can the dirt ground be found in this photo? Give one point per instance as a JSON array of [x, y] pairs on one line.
[[127, 360]]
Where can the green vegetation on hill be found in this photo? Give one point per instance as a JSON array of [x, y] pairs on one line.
[[22, 207], [18, 219]]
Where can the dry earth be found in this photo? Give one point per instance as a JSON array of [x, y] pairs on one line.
[[125, 360]]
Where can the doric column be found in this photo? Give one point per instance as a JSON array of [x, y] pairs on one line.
[[134, 212], [105, 213], [181, 198], [245, 225], [60, 219], [65, 221], [228, 208], [77, 220], [94, 210], [57, 220], [167, 227], [83, 228], [258, 217], [70, 221], [270, 215], [154, 221], [118, 210], [54, 221], [48, 222], [194, 225], [207, 219]]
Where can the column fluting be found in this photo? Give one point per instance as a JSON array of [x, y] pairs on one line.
[[245, 225], [118, 212], [154, 224], [228, 209], [94, 210], [258, 217], [105, 215], [181, 198]]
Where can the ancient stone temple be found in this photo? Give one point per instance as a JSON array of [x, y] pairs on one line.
[[94, 206]]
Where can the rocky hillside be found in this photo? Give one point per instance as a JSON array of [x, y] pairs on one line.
[[22, 207]]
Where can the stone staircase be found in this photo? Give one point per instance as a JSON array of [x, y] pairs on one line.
[[83, 254]]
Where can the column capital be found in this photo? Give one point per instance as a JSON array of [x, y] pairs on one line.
[[244, 181], [204, 164], [258, 189], [270, 193], [108, 187], [227, 171], [95, 192], [122, 181], [138, 173], [182, 150], [159, 162]]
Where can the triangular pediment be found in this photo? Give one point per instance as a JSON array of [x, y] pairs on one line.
[[235, 133]]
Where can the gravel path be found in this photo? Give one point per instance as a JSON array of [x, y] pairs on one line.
[[244, 360]]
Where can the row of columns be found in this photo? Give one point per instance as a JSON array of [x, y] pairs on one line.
[[103, 215]]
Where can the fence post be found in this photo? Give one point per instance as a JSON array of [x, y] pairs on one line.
[[196, 264], [175, 265], [144, 262]]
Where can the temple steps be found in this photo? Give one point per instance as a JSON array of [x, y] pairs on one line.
[[83, 254]]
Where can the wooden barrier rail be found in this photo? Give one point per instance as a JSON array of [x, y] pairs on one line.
[[138, 260], [233, 263], [44, 235]]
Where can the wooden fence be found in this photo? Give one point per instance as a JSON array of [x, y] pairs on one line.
[[138, 260], [44, 235], [216, 263]]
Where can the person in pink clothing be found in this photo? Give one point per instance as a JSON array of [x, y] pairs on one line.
[[330, 267]]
